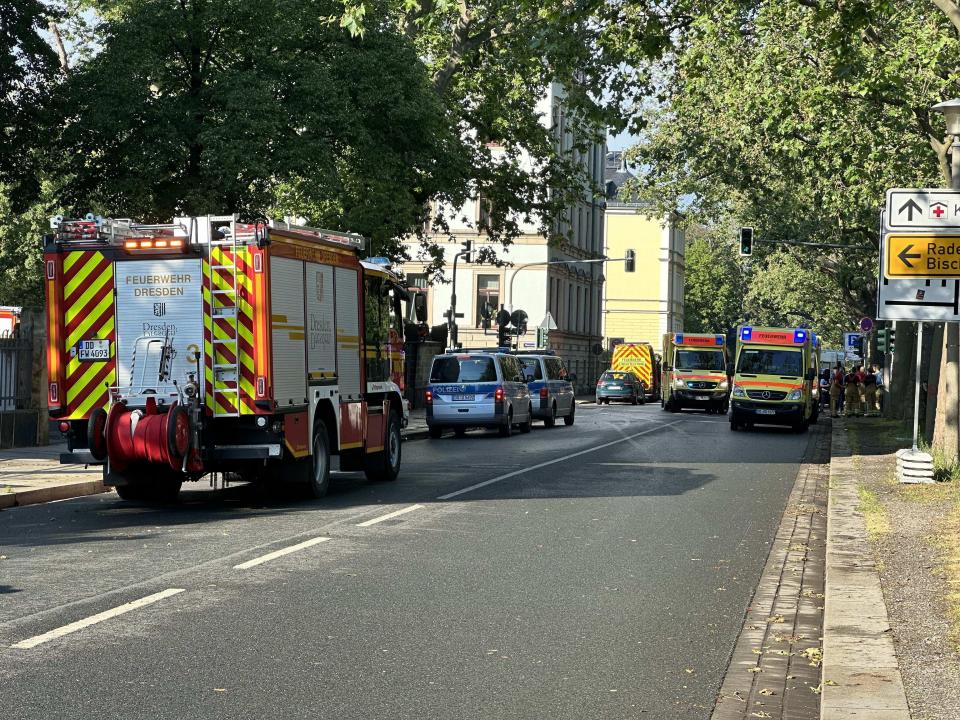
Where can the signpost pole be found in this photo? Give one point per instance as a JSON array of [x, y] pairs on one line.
[[916, 389]]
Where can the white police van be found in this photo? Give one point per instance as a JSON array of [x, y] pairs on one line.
[[477, 388]]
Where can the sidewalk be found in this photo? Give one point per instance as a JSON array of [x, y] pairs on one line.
[[902, 574], [34, 475]]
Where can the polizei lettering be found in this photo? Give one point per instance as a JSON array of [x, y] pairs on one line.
[[943, 257], [163, 281]]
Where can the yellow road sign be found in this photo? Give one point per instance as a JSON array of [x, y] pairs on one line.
[[918, 255]]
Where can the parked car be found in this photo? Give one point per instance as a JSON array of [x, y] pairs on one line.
[[477, 389], [551, 389], [620, 385]]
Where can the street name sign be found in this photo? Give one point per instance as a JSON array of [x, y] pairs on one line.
[[916, 209], [922, 255]]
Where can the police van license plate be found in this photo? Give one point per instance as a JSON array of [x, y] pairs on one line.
[[463, 398], [94, 350], [765, 411]]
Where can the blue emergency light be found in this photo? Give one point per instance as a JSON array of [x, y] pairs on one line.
[[746, 333], [799, 336], [719, 340], [678, 338]]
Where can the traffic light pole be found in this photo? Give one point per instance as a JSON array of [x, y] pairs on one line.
[[518, 268]]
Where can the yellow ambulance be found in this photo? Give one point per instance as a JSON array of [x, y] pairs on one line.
[[694, 372], [774, 377]]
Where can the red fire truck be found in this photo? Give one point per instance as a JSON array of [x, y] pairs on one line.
[[211, 345]]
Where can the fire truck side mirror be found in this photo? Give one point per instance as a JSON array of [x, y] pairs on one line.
[[420, 307]]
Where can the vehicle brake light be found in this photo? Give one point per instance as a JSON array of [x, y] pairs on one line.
[[544, 392], [428, 397], [498, 395], [64, 426]]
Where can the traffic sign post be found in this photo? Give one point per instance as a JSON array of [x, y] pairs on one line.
[[919, 209]]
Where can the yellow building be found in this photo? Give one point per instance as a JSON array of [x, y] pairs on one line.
[[645, 304]]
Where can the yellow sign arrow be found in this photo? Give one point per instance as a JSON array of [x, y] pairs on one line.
[[916, 255]]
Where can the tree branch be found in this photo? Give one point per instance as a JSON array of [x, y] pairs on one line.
[[951, 10], [61, 50], [940, 147]]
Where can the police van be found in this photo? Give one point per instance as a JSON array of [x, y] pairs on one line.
[[477, 388]]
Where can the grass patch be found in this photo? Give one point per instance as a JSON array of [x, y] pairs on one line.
[[945, 469], [949, 542], [874, 513]]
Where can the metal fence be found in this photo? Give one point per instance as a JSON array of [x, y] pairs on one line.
[[18, 411]]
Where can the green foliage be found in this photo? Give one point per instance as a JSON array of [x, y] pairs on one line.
[[255, 106], [794, 118], [714, 284]]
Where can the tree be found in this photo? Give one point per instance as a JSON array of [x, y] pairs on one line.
[[257, 107], [714, 283]]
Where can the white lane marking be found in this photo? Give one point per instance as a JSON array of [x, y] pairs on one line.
[[553, 462], [94, 619], [280, 553], [396, 513]]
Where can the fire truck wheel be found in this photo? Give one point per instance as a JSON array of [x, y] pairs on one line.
[[435, 432], [96, 437], [385, 466], [130, 492], [319, 481]]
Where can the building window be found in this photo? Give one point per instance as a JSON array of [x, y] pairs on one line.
[[417, 280], [488, 292], [568, 321], [484, 213]]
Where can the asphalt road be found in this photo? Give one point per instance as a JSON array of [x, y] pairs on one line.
[[598, 571]]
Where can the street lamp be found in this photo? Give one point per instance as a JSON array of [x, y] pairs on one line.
[[951, 113]]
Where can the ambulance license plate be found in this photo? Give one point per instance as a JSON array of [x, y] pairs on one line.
[[94, 350], [463, 398], [765, 411], [702, 397]]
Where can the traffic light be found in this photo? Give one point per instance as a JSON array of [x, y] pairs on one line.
[[883, 340], [630, 261], [541, 338], [503, 320], [891, 339], [467, 252], [746, 241]]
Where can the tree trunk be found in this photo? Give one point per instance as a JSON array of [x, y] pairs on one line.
[[933, 382], [900, 392], [946, 433]]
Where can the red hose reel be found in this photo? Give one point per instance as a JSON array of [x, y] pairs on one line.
[[147, 436]]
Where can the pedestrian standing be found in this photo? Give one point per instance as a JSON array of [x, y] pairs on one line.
[[870, 392], [825, 389], [852, 386], [836, 391]]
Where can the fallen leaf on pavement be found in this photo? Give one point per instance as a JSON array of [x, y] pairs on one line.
[[767, 691]]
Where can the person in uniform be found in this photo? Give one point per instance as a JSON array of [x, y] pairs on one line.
[[870, 406], [836, 387], [852, 386]]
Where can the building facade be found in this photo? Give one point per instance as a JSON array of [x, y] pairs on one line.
[[542, 276], [643, 305]]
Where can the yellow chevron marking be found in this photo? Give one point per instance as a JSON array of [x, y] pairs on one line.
[[80, 304], [98, 400], [77, 385], [94, 315], [71, 259], [82, 274]]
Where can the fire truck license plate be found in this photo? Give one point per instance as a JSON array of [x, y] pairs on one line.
[[463, 398], [94, 350]]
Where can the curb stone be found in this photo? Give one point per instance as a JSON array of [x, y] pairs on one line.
[[860, 669], [54, 492]]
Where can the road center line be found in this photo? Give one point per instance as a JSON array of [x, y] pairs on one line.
[[94, 619], [553, 462], [403, 511], [280, 553]]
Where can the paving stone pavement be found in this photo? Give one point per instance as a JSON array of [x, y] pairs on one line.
[[775, 668]]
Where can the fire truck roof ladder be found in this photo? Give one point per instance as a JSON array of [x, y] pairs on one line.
[[224, 301]]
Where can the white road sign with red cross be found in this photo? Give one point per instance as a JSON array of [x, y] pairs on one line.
[[922, 209]]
